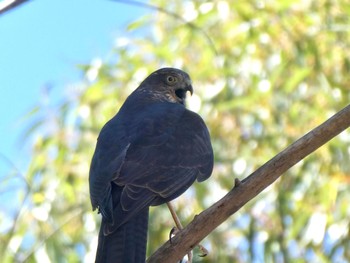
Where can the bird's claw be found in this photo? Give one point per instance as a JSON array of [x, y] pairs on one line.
[[204, 251], [173, 233]]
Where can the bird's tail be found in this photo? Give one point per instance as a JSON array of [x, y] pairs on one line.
[[127, 244]]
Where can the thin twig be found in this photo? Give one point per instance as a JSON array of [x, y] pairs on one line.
[[53, 232], [7, 5], [27, 191], [174, 15]]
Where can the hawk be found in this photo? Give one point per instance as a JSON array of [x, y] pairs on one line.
[[149, 153]]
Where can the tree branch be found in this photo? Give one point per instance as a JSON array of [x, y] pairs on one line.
[[244, 191], [7, 5]]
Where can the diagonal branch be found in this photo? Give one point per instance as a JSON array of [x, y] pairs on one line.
[[244, 191], [7, 5]]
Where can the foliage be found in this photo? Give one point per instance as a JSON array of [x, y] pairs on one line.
[[270, 71]]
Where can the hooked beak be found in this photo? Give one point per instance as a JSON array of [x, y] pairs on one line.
[[190, 89]]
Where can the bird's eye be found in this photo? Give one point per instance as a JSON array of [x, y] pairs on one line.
[[171, 79]]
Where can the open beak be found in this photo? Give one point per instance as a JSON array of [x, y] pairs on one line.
[[181, 93]]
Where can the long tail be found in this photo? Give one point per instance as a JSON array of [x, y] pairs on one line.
[[127, 244]]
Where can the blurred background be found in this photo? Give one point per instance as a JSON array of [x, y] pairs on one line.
[[264, 74]]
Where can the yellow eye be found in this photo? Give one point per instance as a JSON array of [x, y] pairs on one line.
[[171, 79]]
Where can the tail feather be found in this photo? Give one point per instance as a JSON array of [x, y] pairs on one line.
[[127, 244]]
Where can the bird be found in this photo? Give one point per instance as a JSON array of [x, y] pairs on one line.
[[148, 154]]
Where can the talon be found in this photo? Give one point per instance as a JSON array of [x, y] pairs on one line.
[[172, 233], [204, 251]]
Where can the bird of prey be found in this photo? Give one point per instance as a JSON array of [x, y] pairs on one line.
[[149, 153]]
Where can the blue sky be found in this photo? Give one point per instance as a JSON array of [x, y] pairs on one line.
[[41, 42]]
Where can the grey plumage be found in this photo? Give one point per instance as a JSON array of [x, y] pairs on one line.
[[147, 154]]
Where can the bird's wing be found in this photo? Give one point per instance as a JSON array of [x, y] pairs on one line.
[[150, 125], [109, 155], [184, 150], [158, 167], [152, 158]]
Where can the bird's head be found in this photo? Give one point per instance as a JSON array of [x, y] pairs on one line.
[[169, 84]]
